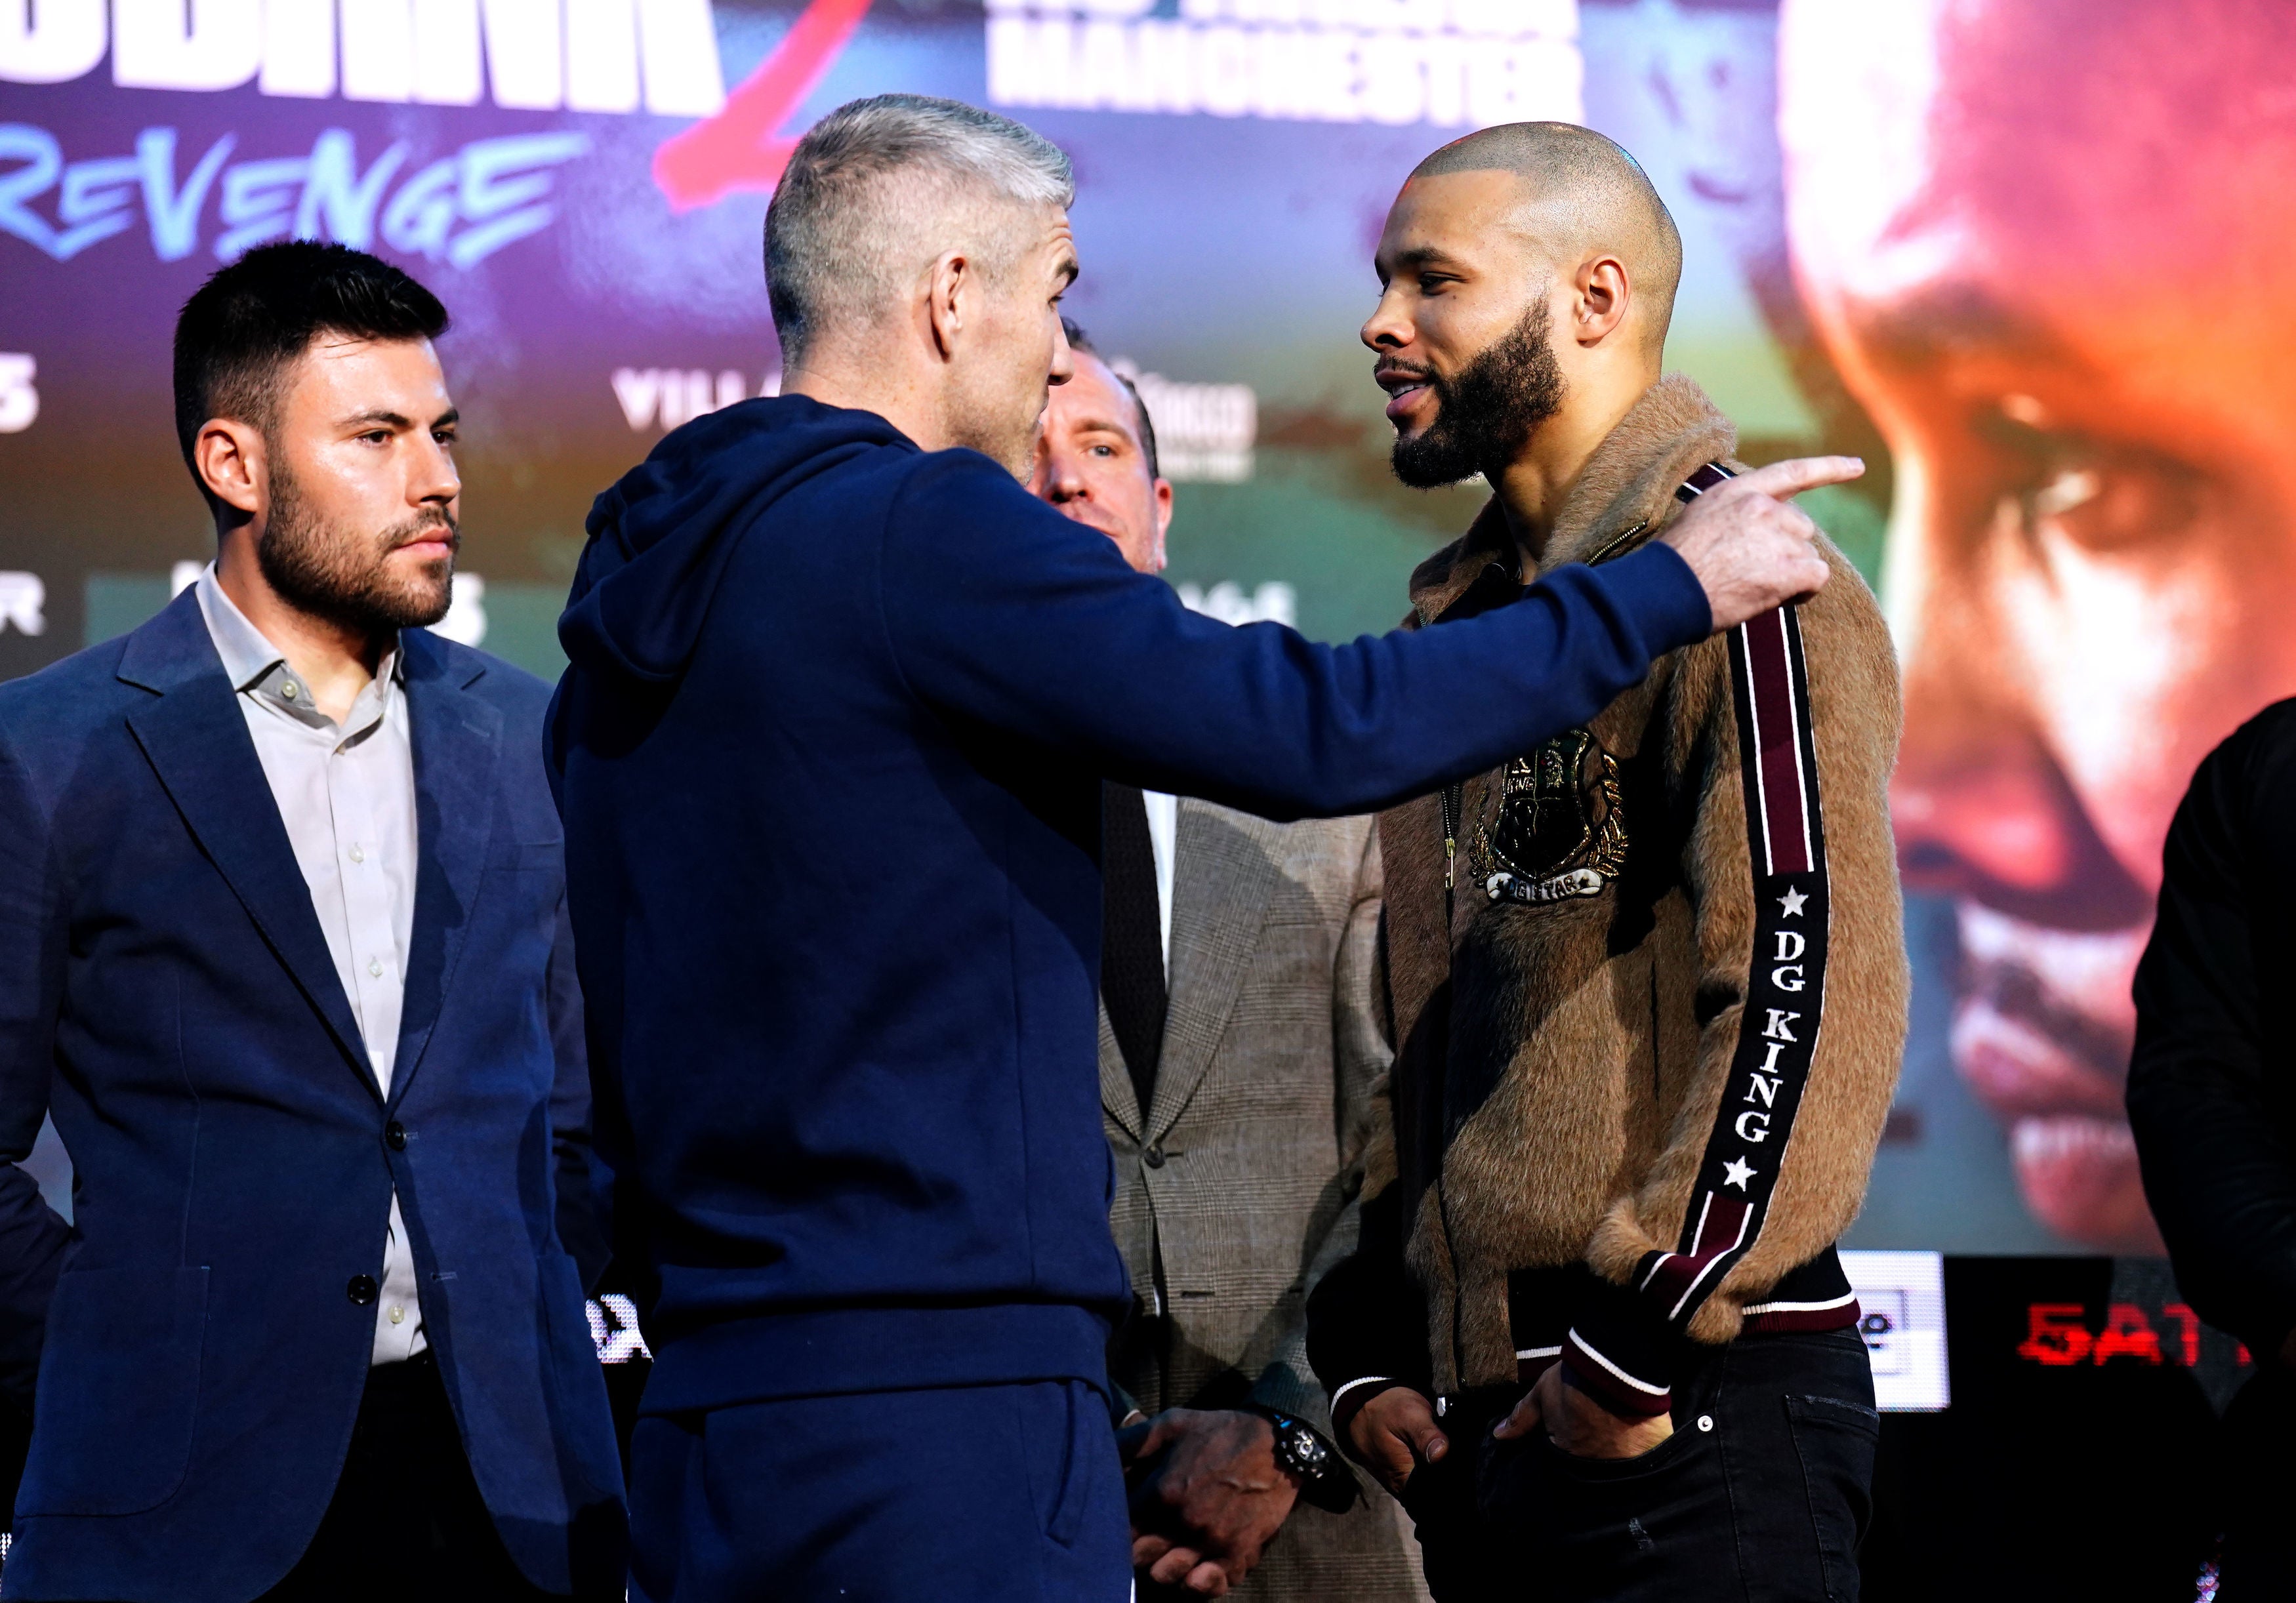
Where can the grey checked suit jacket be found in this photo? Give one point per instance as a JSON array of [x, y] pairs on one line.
[[1238, 1187]]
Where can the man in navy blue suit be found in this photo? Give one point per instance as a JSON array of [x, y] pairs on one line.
[[830, 751], [283, 948]]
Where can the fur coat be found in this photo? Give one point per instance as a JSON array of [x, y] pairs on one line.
[[1619, 1124]]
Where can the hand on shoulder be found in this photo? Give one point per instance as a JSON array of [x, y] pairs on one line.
[[1749, 546]]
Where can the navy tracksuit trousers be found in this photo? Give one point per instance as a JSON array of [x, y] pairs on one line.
[[958, 1494]]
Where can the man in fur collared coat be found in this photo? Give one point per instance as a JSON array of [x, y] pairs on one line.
[[1646, 983]]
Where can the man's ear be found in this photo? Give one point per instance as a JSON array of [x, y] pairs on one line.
[[229, 458], [949, 294], [1163, 519], [1605, 294]]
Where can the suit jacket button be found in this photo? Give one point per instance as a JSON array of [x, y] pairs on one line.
[[395, 1133], [361, 1289], [1153, 1158]]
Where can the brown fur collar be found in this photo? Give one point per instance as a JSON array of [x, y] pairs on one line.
[[1630, 480]]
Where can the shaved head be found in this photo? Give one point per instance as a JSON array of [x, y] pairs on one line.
[[1526, 276], [1582, 195]]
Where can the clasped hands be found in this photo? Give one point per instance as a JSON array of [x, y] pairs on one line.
[[1396, 1432], [1207, 1495]]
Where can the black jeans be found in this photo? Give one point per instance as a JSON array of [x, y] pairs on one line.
[[406, 1519], [1761, 1495]]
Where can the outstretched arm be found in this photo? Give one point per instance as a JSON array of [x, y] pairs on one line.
[[1003, 613]]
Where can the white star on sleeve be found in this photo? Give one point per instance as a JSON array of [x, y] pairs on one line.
[[1737, 1172], [1792, 903]]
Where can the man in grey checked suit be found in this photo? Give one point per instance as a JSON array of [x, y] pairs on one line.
[[1243, 1083]]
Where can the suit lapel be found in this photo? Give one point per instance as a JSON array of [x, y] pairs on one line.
[[195, 737], [1116, 1092], [1221, 889], [457, 741]]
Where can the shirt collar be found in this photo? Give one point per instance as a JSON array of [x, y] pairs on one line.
[[255, 667], [248, 656]]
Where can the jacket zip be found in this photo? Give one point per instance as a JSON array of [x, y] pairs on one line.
[[1453, 799]]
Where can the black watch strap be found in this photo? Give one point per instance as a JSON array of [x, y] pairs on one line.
[[1301, 1450]]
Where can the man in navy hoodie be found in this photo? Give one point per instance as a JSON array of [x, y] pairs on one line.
[[830, 755]]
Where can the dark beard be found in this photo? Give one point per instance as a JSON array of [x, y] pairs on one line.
[[1487, 410], [328, 573]]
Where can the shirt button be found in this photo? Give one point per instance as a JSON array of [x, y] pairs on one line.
[[395, 1133], [362, 1291], [287, 690], [358, 853], [1706, 1421], [398, 1314], [374, 967]]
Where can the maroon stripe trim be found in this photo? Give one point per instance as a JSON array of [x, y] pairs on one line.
[[1674, 1277], [1784, 799], [1704, 479]]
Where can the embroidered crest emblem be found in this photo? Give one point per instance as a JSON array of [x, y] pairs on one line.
[[1561, 830]]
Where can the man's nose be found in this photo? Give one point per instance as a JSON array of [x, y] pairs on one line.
[[1061, 481], [1982, 811], [1386, 329], [435, 480]]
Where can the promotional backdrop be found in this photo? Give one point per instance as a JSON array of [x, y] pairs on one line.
[[1939, 232]]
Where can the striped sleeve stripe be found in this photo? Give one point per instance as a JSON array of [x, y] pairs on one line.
[[1782, 796], [1777, 1031]]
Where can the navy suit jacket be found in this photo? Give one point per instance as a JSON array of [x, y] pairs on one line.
[[166, 994]]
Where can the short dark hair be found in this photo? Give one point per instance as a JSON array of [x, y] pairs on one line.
[[1080, 342], [244, 327]]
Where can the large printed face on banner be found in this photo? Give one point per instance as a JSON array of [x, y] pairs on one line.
[[2049, 246], [2041, 244]]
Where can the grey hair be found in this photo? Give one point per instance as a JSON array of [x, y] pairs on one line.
[[880, 187]]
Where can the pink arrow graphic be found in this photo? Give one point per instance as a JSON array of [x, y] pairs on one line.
[[742, 149]]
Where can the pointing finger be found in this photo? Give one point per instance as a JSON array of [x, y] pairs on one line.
[[1784, 479]]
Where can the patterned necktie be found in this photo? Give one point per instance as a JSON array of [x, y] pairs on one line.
[[1132, 940]]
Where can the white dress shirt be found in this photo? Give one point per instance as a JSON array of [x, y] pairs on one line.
[[1164, 839], [346, 793]]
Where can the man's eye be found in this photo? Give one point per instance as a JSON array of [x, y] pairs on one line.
[[2115, 505], [1103, 450], [2104, 496], [2105, 501]]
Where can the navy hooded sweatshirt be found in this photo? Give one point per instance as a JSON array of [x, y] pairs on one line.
[[829, 753]]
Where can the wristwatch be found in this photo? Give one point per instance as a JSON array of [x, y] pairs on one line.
[[1302, 1452]]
